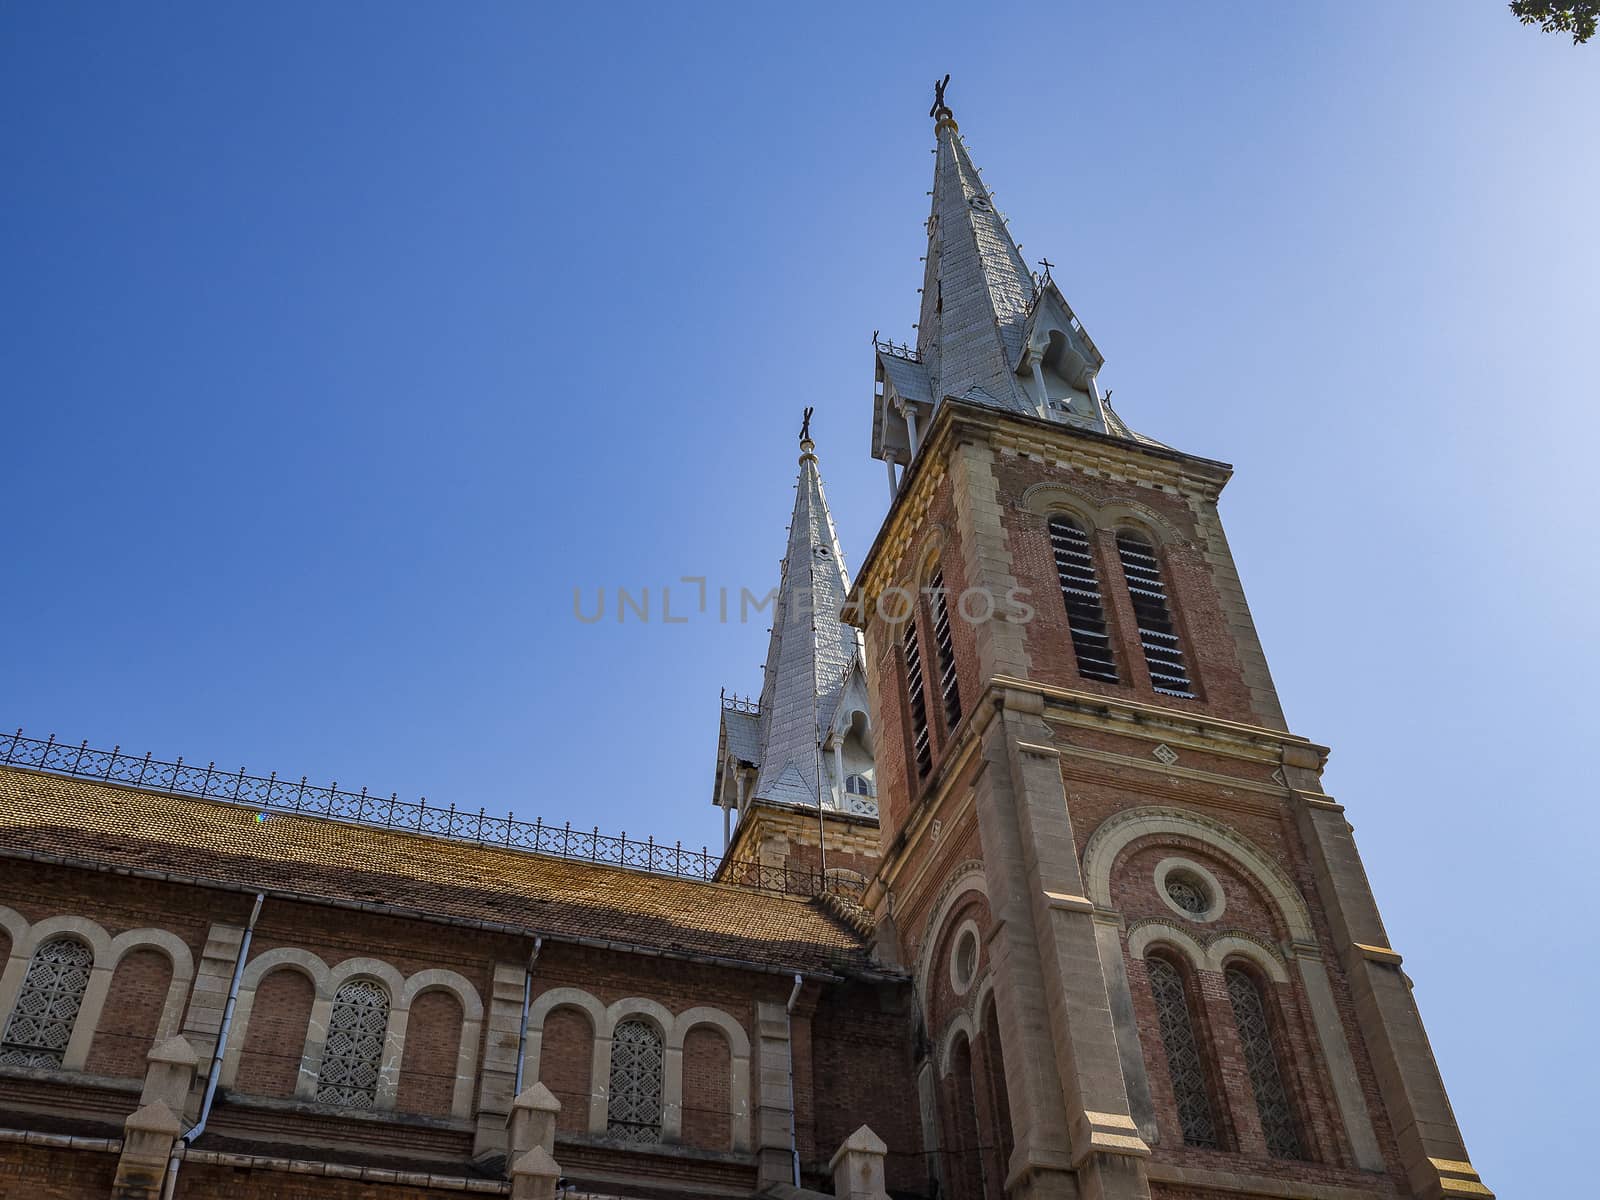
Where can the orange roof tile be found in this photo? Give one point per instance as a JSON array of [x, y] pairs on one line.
[[122, 828]]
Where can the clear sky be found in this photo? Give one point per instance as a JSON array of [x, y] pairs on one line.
[[339, 344]]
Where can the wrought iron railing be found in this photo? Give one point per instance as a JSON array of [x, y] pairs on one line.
[[269, 793]]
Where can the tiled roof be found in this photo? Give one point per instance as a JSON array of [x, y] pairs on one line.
[[104, 825]]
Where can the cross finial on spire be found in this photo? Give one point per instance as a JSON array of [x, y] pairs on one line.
[[805, 425], [940, 111]]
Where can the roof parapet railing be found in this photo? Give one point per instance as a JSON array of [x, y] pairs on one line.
[[268, 794]]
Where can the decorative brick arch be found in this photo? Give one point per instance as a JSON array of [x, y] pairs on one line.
[[1121, 830], [108, 951], [966, 878], [960, 1026], [459, 986], [1157, 932], [600, 1052], [739, 1068]]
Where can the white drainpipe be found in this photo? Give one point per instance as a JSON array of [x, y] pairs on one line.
[[527, 1003], [788, 1020], [199, 1127]]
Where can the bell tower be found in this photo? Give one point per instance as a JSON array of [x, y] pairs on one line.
[[1146, 955]]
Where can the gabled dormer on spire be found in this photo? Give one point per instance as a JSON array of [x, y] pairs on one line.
[[991, 332]]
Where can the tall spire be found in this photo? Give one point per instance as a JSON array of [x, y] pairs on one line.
[[811, 652], [991, 331]]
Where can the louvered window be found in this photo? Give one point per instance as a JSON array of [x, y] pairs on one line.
[[1163, 653], [920, 745], [949, 687], [1080, 589], [1261, 1061], [633, 1108], [52, 992], [353, 1053], [1184, 1064]]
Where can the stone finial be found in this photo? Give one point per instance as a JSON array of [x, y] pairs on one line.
[[148, 1137], [857, 1167], [169, 1074], [534, 1175], [532, 1123]]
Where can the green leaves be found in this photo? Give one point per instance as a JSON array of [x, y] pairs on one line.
[[1578, 17]]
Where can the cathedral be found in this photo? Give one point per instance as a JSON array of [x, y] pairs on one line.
[[1026, 889]]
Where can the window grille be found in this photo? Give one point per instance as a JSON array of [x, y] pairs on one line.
[[949, 686], [1163, 653], [858, 785], [1188, 893], [353, 1053], [1255, 1035], [920, 742], [633, 1109], [1183, 1054], [52, 992], [1080, 589]]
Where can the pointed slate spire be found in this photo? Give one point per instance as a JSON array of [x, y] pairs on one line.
[[811, 650], [977, 290], [991, 332]]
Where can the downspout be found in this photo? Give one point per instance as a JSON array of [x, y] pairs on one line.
[[199, 1127], [788, 1024], [527, 1003]]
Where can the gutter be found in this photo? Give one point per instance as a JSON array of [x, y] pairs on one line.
[[527, 1003], [788, 1025], [199, 1127]]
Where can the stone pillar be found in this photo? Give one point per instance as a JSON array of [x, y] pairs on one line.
[[151, 1132], [534, 1175], [857, 1167], [533, 1121], [774, 1159], [1432, 1151], [207, 998], [502, 1036]]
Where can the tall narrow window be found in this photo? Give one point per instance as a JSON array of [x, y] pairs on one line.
[[920, 744], [1184, 1064], [52, 992], [1261, 1061], [1163, 653], [1080, 589], [633, 1109], [949, 688], [353, 1053]]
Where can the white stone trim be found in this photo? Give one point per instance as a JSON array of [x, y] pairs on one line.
[[1238, 944], [1219, 902], [968, 878], [960, 1025], [958, 985], [674, 1030], [1120, 831], [1158, 932]]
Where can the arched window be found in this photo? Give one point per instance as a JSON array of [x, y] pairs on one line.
[[633, 1110], [52, 992], [1184, 1063], [1080, 590], [949, 687], [858, 785], [921, 746], [1163, 653], [1261, 1061], [353, 1053]]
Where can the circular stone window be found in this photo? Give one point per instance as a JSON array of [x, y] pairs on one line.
[[1189, 889], [964, 958]]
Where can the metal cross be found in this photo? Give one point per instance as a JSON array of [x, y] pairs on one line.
[[1046, 264]]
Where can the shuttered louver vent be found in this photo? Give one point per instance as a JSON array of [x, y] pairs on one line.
[[1163, 653], [1080, 589], [949, 689], [920, 744]]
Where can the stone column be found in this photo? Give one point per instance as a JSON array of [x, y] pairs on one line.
[[1432, 1152], [857, 1167], [502, 1036], [531, 1131], [207, 998], [774, 1111]]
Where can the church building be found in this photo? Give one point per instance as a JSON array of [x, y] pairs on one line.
[[1026, 890]]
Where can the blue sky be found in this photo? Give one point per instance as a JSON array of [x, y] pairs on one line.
[[339, 345]]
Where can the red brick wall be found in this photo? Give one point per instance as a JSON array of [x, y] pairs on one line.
[[269, 1062], [131, 1015], [428, 1066], [565, 1063], [38, 1173], [707, 1103]]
